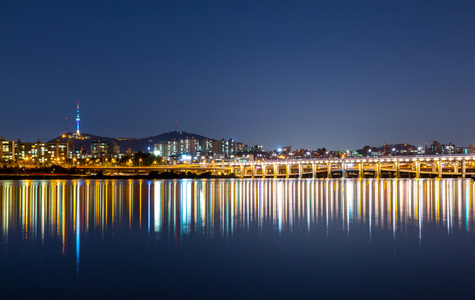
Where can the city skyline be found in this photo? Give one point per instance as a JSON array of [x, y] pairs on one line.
[[339, 75], [77, 133]]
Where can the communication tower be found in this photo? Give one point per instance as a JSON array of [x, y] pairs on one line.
[[77, 120]]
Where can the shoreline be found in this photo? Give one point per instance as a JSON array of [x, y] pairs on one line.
[[137, 176], [81, 176]]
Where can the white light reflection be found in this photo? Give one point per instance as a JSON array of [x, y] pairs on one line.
[[278, 207], [350, 199], [148, 211], [157, 206], [370, 207]]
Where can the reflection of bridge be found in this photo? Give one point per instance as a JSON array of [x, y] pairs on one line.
[[391, 167]]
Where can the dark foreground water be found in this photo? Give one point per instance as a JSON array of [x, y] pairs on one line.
[[224, 239]]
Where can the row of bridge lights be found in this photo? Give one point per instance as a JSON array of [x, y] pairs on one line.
[[351, 161]]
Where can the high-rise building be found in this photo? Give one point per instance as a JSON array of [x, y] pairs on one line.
[[160, 149], [172, 147], [193, 146], [239, 147], [101, 149], [7, 150], [41, 153], [207, 145], [228, 147], [188, 145]]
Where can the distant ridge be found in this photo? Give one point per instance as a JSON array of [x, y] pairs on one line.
[[135, 144], [169, 136]]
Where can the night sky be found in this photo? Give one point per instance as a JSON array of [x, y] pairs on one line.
[[334, 74]]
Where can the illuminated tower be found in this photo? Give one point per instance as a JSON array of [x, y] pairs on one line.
[[77, 120]]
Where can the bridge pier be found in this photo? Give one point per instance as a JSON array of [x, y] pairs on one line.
[[418, 169], [398, 169], [463, 168], [329, 170], [439, 169]]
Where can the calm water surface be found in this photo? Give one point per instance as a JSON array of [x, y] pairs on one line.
[[234, 238]]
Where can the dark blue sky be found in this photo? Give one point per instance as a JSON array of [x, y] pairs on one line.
[[334, 74]]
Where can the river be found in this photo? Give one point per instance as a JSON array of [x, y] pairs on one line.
[[237, 238]]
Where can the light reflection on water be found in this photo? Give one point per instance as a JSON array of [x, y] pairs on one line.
[[219, 208]]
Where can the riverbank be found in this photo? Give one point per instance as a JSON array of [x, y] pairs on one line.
[[166, 175], [59, 172]]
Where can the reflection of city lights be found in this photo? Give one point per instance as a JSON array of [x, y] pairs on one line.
[[208, 208], [157, 205]]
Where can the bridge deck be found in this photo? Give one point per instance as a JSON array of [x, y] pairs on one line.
[[440, 166]]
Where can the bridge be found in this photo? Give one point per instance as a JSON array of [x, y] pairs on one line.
[[435, 166]]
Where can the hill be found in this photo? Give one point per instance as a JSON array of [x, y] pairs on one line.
[[135, 144]]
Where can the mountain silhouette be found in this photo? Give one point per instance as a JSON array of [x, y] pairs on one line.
[[135, 144]]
